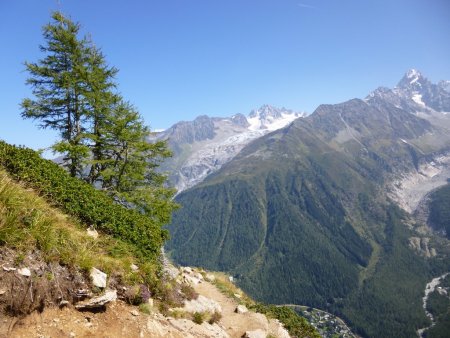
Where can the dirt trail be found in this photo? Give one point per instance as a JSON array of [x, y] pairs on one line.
[[123, 320], [234, 323]]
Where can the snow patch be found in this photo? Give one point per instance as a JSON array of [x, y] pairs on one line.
[[417, 98]]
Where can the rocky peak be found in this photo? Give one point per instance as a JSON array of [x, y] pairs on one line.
[[271, 118], [444, 85], [414, 93], [240, 120], [413, 79], [266, 111], [201, 128]]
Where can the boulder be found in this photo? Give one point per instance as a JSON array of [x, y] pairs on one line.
[[241, 309], [97, 302], [98, 278]]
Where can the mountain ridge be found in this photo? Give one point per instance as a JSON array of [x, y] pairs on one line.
[[203, 145]]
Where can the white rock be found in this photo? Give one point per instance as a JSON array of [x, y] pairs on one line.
[[91, 232], [150, 302], [186, 269], [241, 309], [96, 302], [277, 329], [191, 280], [255, 334], [98, 278], [24, 272], [2, 291], [134, 312], [134, 267], [210, 277], [202, 304], [5, 268]]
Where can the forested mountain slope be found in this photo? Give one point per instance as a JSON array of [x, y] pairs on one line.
[[301, 215]]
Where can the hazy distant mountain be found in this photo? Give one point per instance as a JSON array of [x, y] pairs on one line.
[[202, 146], [305, 214]]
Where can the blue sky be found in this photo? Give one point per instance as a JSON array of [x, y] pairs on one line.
[[182, 58]]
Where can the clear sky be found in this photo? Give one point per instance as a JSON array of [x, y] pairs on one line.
[[182, 58]]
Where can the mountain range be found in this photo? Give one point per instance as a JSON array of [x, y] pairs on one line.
[[202, 146], [322, 210]]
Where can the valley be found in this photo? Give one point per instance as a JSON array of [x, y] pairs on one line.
[[320, 212]]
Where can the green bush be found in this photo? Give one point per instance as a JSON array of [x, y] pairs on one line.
[[198, 317], [79, 199]]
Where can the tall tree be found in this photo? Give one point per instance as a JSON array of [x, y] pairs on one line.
[[129, 164], [104, 138], [101, 101], [57, 84]]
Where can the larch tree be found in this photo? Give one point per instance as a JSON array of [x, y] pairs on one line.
[[58, 86], [103, 137]]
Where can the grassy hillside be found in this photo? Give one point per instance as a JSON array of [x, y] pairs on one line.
[[29, 223], [77, 198]]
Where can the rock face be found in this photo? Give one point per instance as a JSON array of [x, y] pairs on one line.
[[204, 145]]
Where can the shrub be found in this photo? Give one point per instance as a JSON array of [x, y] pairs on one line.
[[215, 317], [198, 317], [189, 292]]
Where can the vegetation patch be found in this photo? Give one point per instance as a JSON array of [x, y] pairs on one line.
[[81, 200]]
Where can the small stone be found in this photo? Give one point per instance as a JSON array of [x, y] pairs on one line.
[[241, 309], [72, 334], [6, 268], [237, 295], [187, 269], [150, 302], [98, 278], [24, 272], [2, 292], [63, 303], [56, 320], [91, 232], [255, 334], [134, 312], [134, 267], [210, 277]]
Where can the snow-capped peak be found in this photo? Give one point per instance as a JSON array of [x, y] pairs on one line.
[[270, 118], [413, 75]]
